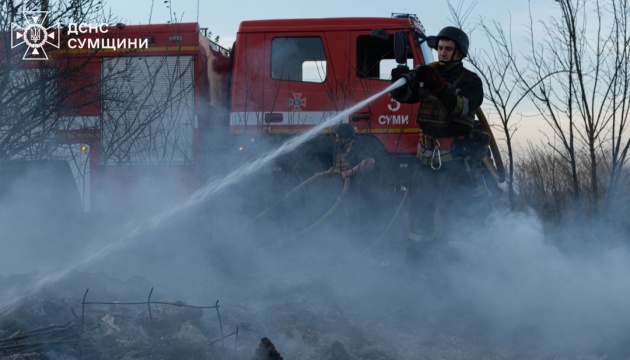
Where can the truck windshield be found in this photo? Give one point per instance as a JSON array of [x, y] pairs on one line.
[[427, 54]]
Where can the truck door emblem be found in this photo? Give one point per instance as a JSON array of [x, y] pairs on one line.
[[297, 102]]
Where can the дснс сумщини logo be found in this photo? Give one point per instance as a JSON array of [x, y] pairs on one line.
[[35, 35]]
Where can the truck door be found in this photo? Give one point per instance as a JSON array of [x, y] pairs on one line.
[[287, 82], [391, 122], [295, 95]]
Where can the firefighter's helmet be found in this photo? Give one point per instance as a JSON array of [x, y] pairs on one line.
[[345, 131], [455, 34]]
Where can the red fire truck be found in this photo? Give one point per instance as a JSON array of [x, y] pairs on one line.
[[139, 116], [169, 112]]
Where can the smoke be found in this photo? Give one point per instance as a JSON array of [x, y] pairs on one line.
[[536, 294], [134, 230], [510, 284]]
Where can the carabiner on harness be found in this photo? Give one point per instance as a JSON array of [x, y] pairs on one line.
[[436, 153]]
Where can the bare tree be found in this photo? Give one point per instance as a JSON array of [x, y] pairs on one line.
[[577, 76], [619, 98], [30, 97], [497, 66], [506, 87], [579, 88]]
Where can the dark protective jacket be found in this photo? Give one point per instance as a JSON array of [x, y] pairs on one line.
[[460, 99]]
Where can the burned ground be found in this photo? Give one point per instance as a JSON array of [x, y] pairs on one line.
[[337, 292]]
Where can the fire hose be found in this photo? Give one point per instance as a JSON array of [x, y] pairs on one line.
[[346, 186], [287, 195], [389, 225], [499, 173]]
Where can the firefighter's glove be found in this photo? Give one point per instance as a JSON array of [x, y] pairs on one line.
[[403, 92], [399, 71], [429, 79]]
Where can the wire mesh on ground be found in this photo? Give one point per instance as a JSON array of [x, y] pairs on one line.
[[75, 337], [148, 303]]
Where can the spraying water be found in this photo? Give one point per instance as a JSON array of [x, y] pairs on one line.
[[12, 296]]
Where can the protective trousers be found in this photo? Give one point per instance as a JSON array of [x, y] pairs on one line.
[[442, 205]]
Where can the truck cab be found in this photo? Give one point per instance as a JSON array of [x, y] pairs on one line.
[[289, 75]]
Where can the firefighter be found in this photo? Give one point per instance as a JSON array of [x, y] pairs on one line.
[[352, 162], [348, 162], [344, 161], [446, 179]]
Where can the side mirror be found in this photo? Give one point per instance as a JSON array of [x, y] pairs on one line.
[[400, 47]]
